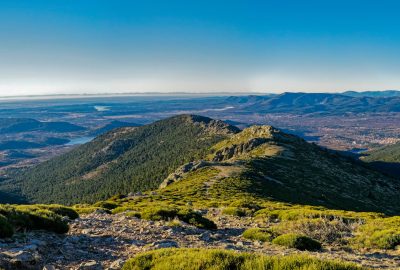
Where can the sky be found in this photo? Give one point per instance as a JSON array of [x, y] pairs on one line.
[[98, 46]]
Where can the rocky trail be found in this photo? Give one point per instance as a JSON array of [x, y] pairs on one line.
[[104, 241]]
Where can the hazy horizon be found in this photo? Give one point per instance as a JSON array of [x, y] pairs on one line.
[[74, 47]]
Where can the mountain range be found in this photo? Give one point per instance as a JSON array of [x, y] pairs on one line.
[[259, 160], [315, 103]]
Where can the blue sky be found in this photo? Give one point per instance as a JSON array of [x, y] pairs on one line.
[[92, 46]]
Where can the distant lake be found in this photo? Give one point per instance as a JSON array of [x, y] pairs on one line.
[[358, 150], [80, 140]]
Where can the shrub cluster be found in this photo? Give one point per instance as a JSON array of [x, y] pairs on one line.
[[259, 234], [297, 241], [381, 233], [187, 215], [34, 217], [234, 211], [215, 259]]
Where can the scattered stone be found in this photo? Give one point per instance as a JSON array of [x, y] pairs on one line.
[[165, 244], [116, 265], [90, 265]]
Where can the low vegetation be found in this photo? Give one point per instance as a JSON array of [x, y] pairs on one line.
[[263, 235], [34, 217], [214, 259], [381, 233], [297, 241], [234, 211]]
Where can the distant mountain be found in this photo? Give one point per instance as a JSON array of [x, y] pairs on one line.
[[314, 103], [384, 93], [17, 125], [112, 125], [386, 159], [264, 162], [123, 160]]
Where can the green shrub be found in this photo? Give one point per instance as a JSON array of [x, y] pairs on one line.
[[47, 220], [216, 259], [133, 214], [234, 211], [174, 223], [245, 204], [321, 229], [6, 230], [380, 233], [90, 209], [159, 213], [106, 204], [122, 209], [297, 241], [61, 210], [36, 217], [196, 219], [259, 234]]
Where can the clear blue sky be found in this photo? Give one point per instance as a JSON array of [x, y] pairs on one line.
[[76, 46]]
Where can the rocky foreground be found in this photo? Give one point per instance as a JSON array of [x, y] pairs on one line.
[[104, 241]]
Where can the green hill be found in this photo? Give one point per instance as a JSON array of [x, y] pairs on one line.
[[260, 161], [263, 162], [121, 161], [385, 159]]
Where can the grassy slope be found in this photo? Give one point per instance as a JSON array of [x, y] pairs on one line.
[[385, 159], [122, 161], [278, 181], [286, 168]]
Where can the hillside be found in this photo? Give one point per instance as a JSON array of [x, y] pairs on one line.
[[383, 93], [315, 103], [16, 125], [258, 190], [112, 125], [123, 160], [264, 162], [385, 159]]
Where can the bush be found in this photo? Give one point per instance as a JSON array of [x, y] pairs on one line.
[[234, 211], [196, 219], [215, 259], [47, 220], [321, 229], [297, 241], [106, 204], [380, 233], [133, 214], [158, 213], [259, 234], [90, 209], [36, 217], [6, 230], [61, 210], [245, 204]]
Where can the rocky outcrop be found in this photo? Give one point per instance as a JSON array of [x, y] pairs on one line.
[[181, 171], [236, 150]]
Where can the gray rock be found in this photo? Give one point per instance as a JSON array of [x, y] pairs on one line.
[[165, 244], [116, 265], [90, 265]]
